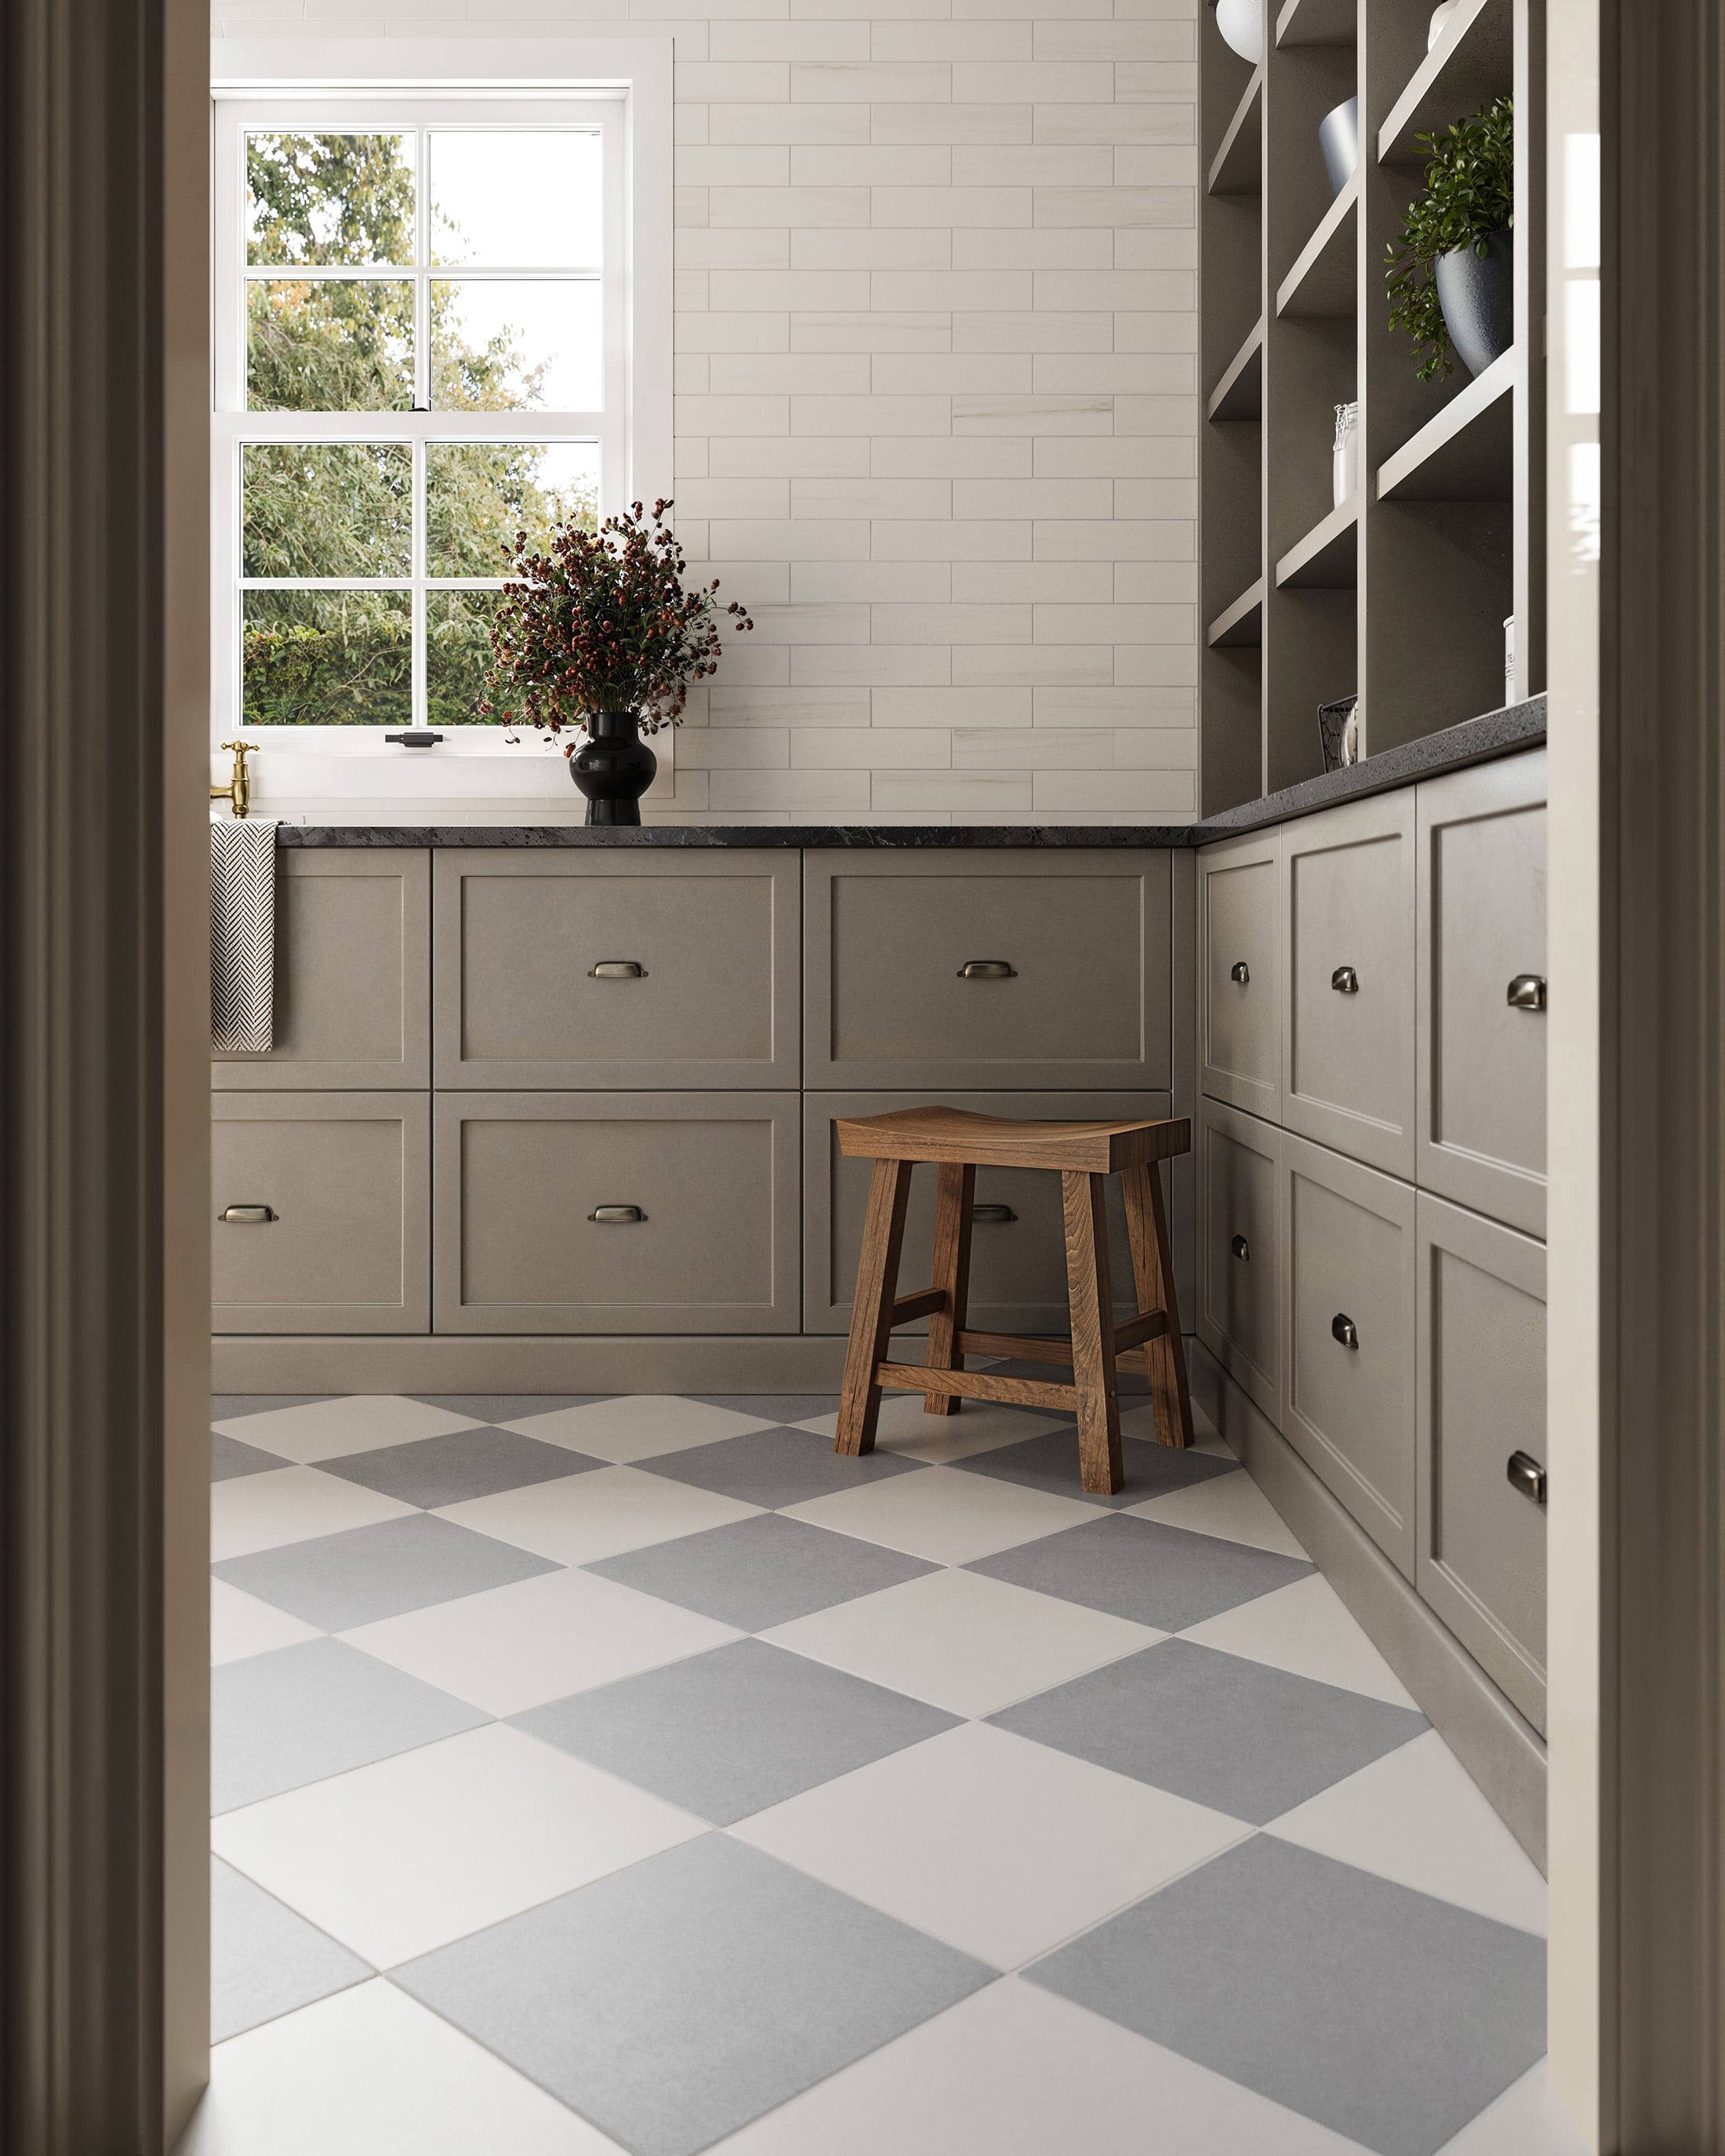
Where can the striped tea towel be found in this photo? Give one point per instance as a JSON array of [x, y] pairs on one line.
[[242, 936]]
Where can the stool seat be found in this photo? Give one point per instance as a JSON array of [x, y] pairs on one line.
[[958, 1134]]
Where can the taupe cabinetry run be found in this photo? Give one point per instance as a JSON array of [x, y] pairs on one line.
[[1240, 1264], [611, 969], [1240, 972], [975, 971], [321, 1207]]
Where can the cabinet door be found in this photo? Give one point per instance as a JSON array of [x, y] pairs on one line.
[[1347, 1328], [1348, 1031], [1018, 1250], [616, 1212], [1481, 1027], [321, 1212], [981, 970], [1482, 1444], [607, 969], [1239, 973], [352, 974], [1240, 1255]]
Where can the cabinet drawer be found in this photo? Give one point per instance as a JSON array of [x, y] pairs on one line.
[[345, 1181], [352, 975], [1481, 1023], [1347, 1331], [1482, 1554], [702, 953], [519, 1177], [1239, 973], [1347, 1029], [1240, 1250], [1017, 1267], [1086, 1002]]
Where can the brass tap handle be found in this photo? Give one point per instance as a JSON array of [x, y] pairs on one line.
[[238, 788]]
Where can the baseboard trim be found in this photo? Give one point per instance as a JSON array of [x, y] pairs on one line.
[[1500, 1749], [787, 1362]]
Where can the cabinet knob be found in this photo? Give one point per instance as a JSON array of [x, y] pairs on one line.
[[1241, 1249], [1526, 992], [1345, 981], [248, 1216], [1241, 972], [1526, 1476], [994, 1216], [617, 1216], [617, 969], [1344, 1330], [986, 969]]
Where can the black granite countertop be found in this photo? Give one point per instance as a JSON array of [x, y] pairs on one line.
[[1498, 733]]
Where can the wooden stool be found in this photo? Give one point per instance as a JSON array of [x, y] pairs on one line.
[[1083, 1154]]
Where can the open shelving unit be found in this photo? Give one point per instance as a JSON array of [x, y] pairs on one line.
[[1400, 594]]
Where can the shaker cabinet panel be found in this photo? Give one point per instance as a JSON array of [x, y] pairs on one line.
[[1239, 973], [1481, 1007], [1239, 1253]]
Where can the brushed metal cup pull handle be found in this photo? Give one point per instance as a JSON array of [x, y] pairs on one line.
[[1526, 992], [248, 1216], [1241, 972], [993, 1216], [1345, 981], [617, 1216], [617, 969], [1241, 1249], [1525, 1475], [986, 969], [1344, 1330]]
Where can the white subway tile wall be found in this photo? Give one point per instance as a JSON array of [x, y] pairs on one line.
[[936, 410]]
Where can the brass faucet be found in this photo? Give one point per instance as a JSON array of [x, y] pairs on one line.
[[238, 788]]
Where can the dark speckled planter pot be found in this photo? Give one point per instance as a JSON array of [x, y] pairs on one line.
[[1478, 293]]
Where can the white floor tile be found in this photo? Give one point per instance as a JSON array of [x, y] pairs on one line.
[[1415, 1817], [289, 1505], [945, 1517], [397, 1858], [637, 1426], [1231, 1505], [371, 2072], [1304, 1628], [518, 1646], [584, 1518], [970, 1644], [1015, 2072], [904, 1428], [330, 1429], [1527, 2120], [240, 1625], [999, 1846]]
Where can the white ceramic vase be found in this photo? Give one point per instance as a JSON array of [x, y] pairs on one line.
[[1241, 23]]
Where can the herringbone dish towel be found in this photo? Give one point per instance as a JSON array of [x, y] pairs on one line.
[[242, 936]]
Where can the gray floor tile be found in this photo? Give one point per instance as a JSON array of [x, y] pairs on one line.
[[762, 1572], [1154, 1574], [1237, 1736], [229, 1458], [264, 1960], [725, 1734], [463, 1463], [678, 1999], [336, 1581], [1051, 1462], [774, 1407], [1386, 2015], [297, 1714], [224, 1406], [508, 1407], [775, 1467]]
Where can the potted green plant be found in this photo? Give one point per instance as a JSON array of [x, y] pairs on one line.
[[601, 635], [1451, 281]]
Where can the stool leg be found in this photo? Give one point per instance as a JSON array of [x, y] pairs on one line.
[[1153, 1272], [872, 1313], [952, 1271], [1091, 1296]]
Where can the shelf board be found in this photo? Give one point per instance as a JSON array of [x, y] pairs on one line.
[[1240, 394], [1241, 623], [1327, 558], [1316, 23], [1324, 280], [1473, 62], [1237, 166], [1465, 452]]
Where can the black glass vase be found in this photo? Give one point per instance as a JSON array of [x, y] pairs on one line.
[[613, 767]]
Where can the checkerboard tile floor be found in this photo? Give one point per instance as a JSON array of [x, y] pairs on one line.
[[631, 1774]]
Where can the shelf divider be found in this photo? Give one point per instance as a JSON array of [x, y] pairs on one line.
[[1240, 394], [1238, 165], [1241, 623], [1473, 62], [1316, 22], [1466, 453], [1322, 280], [1327, 558]]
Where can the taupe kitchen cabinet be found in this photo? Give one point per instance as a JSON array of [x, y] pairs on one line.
[[1481, 1450], [321, 1204], [352, 975], [1348, 1360], [1018, 1251], [1347, 1022], [609, 969], [1481, 1027], [1239, 973], [609, 1213], [1240, 1250], [975, 971]]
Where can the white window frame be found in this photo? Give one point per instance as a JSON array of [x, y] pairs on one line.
[[624, 88]]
